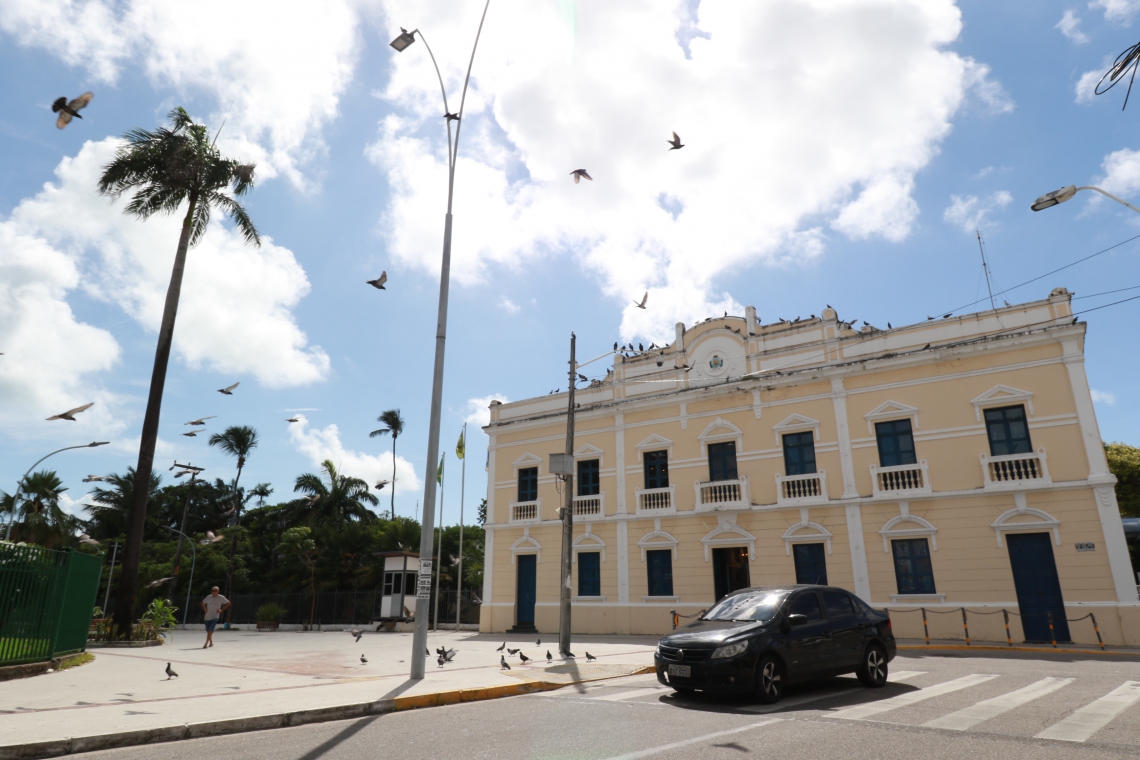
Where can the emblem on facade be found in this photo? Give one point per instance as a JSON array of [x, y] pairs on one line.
[[716, 362]]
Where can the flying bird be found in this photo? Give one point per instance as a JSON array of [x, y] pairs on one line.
[[193, 433], [86, 539], [157, 583], [292, 419], [93, 478], [170, 672], [230, 390], [66, 110], [70, 413], [378, 283], [380, 485], [363, 660], [644, 298], [451, 116], [504, 646], [590, 657], [357, 633], [200, 420], [449, 655], [675, 142], [211, 538], [580, 174], [503, 664]]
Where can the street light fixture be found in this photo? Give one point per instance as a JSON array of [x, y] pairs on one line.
[[427, 528], [20, 484], [1057, 197]]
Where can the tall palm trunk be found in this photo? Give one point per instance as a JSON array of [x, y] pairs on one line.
[[136, 519], [233, 541], [392, 513]]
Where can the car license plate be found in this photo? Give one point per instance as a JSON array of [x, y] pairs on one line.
[[684, 671]]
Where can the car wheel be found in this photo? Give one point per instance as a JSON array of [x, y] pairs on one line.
[[872, 670], [769, 680]]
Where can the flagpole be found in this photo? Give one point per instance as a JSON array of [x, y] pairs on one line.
[[462, 491], [439, 552]]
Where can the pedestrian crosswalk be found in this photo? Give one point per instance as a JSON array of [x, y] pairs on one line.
[[1094, 716]]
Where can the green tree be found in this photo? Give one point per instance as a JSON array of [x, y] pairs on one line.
[[331, 501], [1124, 462], [394, 426], [237, 441], [299, 546], [483, 512], [41, 519], [111, 503], [165, 169]]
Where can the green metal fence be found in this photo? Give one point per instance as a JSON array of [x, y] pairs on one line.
[[46, 598]]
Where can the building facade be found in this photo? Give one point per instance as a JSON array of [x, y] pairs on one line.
[[948, 464]]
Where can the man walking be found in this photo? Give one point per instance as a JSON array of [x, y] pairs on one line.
[[213, 605]]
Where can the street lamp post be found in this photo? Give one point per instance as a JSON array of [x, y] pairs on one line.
[[194, 472], [20, 484], [1057, 197], [427, 528], [193, 561]]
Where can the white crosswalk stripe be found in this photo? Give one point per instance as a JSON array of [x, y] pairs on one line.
[[864, 711], [898, 676], [1094, 716], [990, 708], [632, 694]]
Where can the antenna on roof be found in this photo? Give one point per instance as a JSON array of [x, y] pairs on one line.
[[986, 269]]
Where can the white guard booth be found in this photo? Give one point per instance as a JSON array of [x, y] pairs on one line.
[[398, 602]]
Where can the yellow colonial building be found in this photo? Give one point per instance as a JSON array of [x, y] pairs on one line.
[[950, 464]]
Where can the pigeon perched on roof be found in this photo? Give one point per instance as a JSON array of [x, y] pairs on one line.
[[66, 109]]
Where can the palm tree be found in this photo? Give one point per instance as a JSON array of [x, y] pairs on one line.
[[111, 502], [164, 169], [237, 441], [42, 521], [394, 424], [334, 503]]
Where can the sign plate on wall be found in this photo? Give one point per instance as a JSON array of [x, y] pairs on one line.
[[1086, 547], [423, 588]]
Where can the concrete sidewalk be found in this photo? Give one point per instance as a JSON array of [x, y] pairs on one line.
[[252, 680]]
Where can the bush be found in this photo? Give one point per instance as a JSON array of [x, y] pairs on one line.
[[158, 618], [270, 613]]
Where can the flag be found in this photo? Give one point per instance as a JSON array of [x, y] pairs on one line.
[[439, 472], [461, 447]]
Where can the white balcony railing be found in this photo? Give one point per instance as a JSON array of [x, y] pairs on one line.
[[657, 501], [900, 480], [723, 494], [526, 511], [1015, 471], [588, 506], [797, 490]]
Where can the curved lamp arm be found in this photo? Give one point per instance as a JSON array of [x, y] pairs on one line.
[[20, 484], [1058, 197]]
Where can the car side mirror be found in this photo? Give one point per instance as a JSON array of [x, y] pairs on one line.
[[796, 619]]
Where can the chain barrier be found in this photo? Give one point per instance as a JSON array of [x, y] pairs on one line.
[[677, 618], [1005, 615]]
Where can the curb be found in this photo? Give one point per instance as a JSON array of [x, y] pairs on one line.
[[994, 648], [72, 745], [27, 670]]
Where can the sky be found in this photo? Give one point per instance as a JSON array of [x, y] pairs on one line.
[[841, 152]]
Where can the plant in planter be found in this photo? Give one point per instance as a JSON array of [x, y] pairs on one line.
[[269, 616], [158, 619]]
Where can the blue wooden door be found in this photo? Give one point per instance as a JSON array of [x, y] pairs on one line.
[[811, 564], [1037, 584], [524, 599]]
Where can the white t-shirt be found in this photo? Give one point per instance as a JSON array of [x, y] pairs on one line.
[[214, 605]]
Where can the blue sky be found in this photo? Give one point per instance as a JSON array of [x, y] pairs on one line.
[[837, 153]]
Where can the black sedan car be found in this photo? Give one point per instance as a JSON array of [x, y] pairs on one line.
[[760, 639]]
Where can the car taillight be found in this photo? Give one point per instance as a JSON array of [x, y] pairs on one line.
[[889, 629]]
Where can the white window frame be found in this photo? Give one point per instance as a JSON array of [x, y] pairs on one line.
[[796, 423], [1010, 397], [890, 410]]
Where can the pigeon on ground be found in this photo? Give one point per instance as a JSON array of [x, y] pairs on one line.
[[292, 419], [512, 651], [357, 633], [567, 655], [538, 642], [66, 110], [380, 485], [363, 660], [230, 390], [378, 283], [549, 657], [449, 655], [193, 433], [451, 116], [439, 660], [675, 142], [157, 583], [170, 672], [580, 174], [644, 298], [523, 657], [504, 646], [70, 413], [426, 652], [200, 420], [590, 657], [503, 664]]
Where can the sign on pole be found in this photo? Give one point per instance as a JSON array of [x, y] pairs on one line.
[[423, 588]]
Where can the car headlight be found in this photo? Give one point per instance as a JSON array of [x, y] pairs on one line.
[[730, 650]]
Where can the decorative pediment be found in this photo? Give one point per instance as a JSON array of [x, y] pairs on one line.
[[654, 442], [729, 534], [908, 526], [1024, 518], [526, 545], [795, 423], [657, 539], [589, 451], [720, 428], [588, 542], [890, 410], [528, 460], [805, 532], [1002, 394]]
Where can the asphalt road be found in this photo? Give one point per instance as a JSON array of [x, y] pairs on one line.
[[979, 707]]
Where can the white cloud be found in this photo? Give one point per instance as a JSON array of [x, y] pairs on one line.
[[509, 306], [324, 443], [234, 316], [1121, 173], [1117, 11], [755, 101], [969, 212], [478, 413], [983, 173], [1070, 26], [1103, 397], [75, 507], [1085, 88], [276, 71]]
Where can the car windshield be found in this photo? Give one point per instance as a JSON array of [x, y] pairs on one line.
[[760, 607]]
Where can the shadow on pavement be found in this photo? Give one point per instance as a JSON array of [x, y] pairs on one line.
[[811, 695], [347, 733]]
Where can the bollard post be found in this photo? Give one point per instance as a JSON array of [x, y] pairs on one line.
[[1052, 634], [1008, 638], [925, 629], [965, 626], [1099, 640]]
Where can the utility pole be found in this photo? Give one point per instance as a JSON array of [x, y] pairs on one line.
[[111, 577], [568, 514], [986, 269], [182, 526]]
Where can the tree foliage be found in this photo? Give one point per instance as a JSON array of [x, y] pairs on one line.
[[1124, 462]]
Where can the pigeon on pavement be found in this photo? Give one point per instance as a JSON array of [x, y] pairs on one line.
[[549, 658], [363, 660], [523, 657], [512, 651], [590, 657], [503, 664], [567, 655], [70, 413], [170, 672], [504, 646]]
